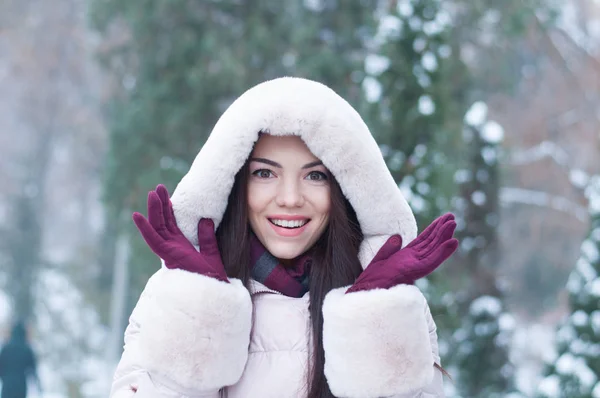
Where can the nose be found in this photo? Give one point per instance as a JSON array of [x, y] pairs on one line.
[[290, 194]]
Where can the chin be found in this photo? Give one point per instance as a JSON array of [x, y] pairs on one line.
[[284, 251]]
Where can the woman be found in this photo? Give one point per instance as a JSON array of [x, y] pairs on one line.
[[275, 302]]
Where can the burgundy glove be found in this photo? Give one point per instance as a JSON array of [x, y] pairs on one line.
[[166, 240], [393, 266]]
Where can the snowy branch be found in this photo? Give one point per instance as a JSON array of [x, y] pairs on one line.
[[542, 150], [513, 195], [549, 149]]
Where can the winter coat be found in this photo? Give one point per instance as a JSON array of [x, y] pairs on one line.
[[191, 336], [17, 361]]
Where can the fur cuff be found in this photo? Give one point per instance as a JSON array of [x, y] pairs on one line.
[[195, 331], [376, 342]]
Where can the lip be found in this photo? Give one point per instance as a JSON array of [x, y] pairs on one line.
[[287, 217], [287, 232]]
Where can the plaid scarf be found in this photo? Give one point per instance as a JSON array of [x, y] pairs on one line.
[[266, 269]]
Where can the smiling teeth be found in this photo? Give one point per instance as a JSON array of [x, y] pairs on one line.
[[289, 223]]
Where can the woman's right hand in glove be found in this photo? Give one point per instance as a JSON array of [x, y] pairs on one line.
[[161, 233]]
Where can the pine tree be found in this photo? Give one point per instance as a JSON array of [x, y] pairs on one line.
[[576, 371], [480, 355], [416, 113], [481, 343]]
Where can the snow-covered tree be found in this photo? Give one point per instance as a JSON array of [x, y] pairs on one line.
[[480, 353], [413, 114], [576, 371], [481, 360]]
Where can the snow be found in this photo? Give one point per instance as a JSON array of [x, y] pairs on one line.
[[422, 173], [596, 391], [570, 20], [579, 347], [418, 203], [443, 18], [542, 150], [489, 155], [429, 61], [593, 195], [478, 198], [426, 105], [5, 311], [314, 5], [423, 188], [590, 251], [431, 28], [415, 23], [550, 386], [492, 132], [568, 364], [477, 114], [419, 45], [405, 8], [512, 195], [574, 283], [289, 59], [507, 322], [375, 65], [372, 89], [129, 82], [531, 348], [595, 288], [578, 178], [444, 51], [396, 161], [486, 304], [586, 376], [579, 318], [595, 321], [390, 27], [385, 150], [586, 270], [467, 243], [595, 234], [566, 333], [72, 334], [485, 329], [420, 151], [422, 77]]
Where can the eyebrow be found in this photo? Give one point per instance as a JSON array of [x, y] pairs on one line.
[[275, 164]]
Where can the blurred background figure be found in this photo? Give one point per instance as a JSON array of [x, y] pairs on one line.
[[17, 364]]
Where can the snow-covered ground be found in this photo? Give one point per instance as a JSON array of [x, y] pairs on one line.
[[68, 339], [532, 347]]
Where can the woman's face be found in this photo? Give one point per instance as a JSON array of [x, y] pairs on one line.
[[288, 195]]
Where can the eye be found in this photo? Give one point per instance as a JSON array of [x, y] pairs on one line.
[[317, 176], [263, 173]]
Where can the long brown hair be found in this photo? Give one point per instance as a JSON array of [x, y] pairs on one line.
[[335, 261]]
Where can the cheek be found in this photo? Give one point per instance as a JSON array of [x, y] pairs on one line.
[[258, 198], [322, 201]]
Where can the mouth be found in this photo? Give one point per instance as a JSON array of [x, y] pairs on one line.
[[289, 224]]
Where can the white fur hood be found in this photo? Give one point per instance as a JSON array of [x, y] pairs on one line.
[[332, 130]]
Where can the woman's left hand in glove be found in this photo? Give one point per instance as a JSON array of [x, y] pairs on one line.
[[394, 265]]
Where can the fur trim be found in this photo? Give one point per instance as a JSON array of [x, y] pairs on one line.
[[332, 130], [376, 342], [195, 330]]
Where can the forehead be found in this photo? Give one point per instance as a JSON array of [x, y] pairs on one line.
[[282, 147]]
